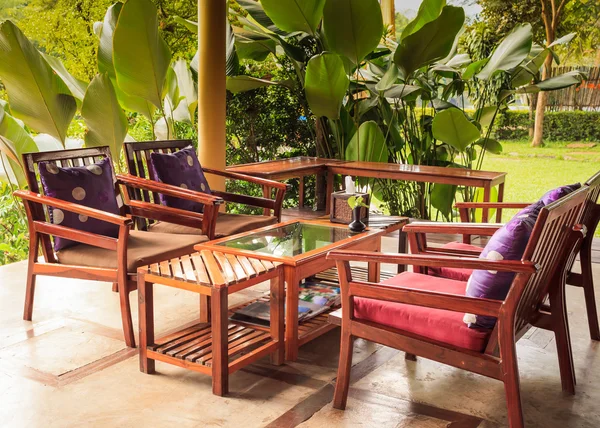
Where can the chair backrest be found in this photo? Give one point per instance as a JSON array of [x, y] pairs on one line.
[[551, 246], [137, 156], [591, 214], [65, 159]]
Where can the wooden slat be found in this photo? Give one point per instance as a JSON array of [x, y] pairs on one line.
[[165, 268], [176, 335], [247, 266], [188, 270], [176, 269], [268, 264], [240, 273], [153, 268], [249, 338], [226, 268], [258, 266], [212, 267], [200, 269], [202, 343]]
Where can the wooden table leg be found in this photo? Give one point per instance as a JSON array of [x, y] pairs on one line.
[[146, 322], [500, 199], [267, 193], [402, 248], [374, 268], [330, 178], [486, 198], [204, 308], [220, 358], [301, 191], [291, 314], [278, 317], [320, 191]]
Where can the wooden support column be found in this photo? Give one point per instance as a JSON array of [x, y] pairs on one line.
[[212, 21], [389, 14]]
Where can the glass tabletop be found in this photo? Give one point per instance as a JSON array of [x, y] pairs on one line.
[[290, 240]]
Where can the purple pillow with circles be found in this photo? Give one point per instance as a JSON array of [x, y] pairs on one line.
[[92, 186], [508, 243], [181, 169], [555, 194]]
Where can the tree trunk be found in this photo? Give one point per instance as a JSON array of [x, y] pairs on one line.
[[538, 129]]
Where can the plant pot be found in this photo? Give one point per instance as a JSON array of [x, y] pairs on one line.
[[356, 225]]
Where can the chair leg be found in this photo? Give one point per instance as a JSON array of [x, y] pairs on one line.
[[588, 289], [31, 277], [29, 293], [126, 314], [115, 287], [560, 326], [342, 383], [513, 396]]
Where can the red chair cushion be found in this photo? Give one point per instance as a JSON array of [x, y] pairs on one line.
[[437, 324], [459, 274]]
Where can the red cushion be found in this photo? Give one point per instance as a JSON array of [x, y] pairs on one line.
[[441, 325], [459, 274]]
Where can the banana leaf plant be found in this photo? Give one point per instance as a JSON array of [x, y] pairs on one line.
[[381, 100]]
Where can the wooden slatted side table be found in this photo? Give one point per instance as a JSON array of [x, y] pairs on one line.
[[216, 345]]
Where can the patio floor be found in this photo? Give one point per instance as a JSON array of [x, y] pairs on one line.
[[70, 367]]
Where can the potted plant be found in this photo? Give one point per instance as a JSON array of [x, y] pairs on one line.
[[356, 203]]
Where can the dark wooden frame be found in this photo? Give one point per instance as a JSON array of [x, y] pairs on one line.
[[138, 158], [590, 219], [41, 230], [554, 238]]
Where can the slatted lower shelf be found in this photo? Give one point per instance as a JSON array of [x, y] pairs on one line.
[[194, 344]]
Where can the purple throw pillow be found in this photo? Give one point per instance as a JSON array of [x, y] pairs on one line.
[[181, 169], [508, 243], [91, 186], [555, 194]]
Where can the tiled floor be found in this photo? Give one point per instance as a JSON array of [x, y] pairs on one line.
[[70, 368]]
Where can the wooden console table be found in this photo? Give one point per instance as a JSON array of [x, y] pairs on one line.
[[215, 346], [422, 174]]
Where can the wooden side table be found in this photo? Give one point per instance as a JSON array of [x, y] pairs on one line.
[[215, 346]]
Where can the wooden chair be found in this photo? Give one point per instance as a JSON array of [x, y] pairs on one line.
[[98, 257], [585, 280], [138, 159], [549, 249]]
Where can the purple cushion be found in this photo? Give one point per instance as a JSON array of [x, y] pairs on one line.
[[508, 243], [180, 169], [91, 186], [555, 194]]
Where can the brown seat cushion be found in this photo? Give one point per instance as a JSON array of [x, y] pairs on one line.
[[227, 225], [142, 248]]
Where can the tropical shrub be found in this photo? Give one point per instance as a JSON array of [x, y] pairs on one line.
[[558, 126], [379, 100]]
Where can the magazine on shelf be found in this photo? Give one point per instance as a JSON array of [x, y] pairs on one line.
[[314, 298]]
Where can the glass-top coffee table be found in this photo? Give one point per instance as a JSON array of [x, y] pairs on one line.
[[301, 246]]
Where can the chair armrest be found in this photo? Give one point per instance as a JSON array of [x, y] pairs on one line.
[[426, 298], [155, 211], [129, 180], [515, 266], [248, 178], [484, 229], [75, 208]]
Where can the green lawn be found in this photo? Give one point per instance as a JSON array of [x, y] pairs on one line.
[[532, 171]]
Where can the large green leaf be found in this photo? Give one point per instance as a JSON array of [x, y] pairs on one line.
[[237, 84], [452, 127], [432, 42], [367, 144], [105, 120], [185, 111], [37, 95], [232, 61], [141, 56], [510, 52], [256, 50], [353, 28], [106, 65], [295, 15], [326, 84], [14, 141], [490, 145], [256, 11], [554, 83], [442, 198], [192, 26], [75, 85], [428, 11]]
